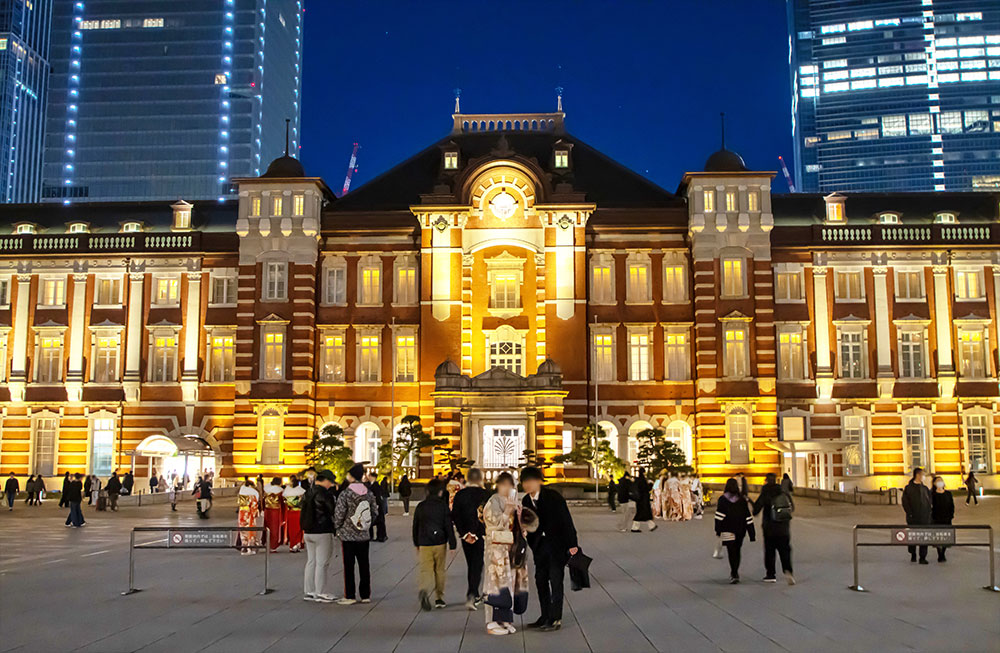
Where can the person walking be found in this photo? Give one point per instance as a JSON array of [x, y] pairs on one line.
[[292, 497], [203, 491], [733, 522], [248, 501], [697, 497], [274, 514], [93, 496], [432, 531], [626, 502], [643, 509], [552, 544], [380, 490], [776, 505], [10, 489], [942, 510], [128, 483], [405, 492], [175, 489], [918, 505], [29, 490], [687, 508], [356, 508], [162, 485], [674, 509], [659, 496], [465, 513], [88, 484], [316, 517], [74, 497], [63, 503], [787, 485], [154, 482], [612, 493], [970, 484], [504, 585], [114, 488]]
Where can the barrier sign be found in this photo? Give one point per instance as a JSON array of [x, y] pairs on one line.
[[200, 539], [924, 536]]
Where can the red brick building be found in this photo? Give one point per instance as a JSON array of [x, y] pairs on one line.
[[509, 284]]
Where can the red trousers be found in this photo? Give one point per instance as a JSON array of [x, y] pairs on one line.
[[273, 522], [293, 530]]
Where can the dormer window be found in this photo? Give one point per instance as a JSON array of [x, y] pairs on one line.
[[835, 208], [945, 218], [182, 216], [131, 227], [25, 228], [888, 218], [451, 160], [79, 228], [562, 159]]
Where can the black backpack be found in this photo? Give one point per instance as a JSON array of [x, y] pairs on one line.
[[307, 515], [781, 507]]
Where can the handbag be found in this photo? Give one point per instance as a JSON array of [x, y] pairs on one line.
[[519, 549]]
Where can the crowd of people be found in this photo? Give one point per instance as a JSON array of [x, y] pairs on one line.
[[673, 496]]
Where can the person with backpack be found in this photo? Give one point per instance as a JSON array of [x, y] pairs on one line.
[[316, 517], [432, 530], [776, 505], [355, 513]]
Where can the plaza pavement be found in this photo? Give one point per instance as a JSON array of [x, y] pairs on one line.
[[661, 591]]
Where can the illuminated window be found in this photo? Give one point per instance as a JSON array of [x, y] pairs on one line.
[[333, 356], [791, 354], [25, 229], [108, 291], [911, 353], [753, 201], [850, 286], [602, 288], [166, 291], [298, 205], [52, 291], [971, 353], [506, 349], [709, 198], [111, 24], [3, 44], [733, 278], [638, 290], [639, 355], [221, 358], [894, 125], [909, 284], [945, 218], [105, 359], [851, 348], [950, 122], [163, 362], [855, 455], [369, 358], [562, 158], [835, 211], [273, 363], [888, 218], [676, 352], [370, 281], [406, 281], [4, 293], [182, 219], [451, 160], [915, 435], [335, 282], [674, 283], [255, 206], [102, 445], [43, 445], [221, 79], [79, 228], [977, 437], [732, 204], [736, 363], [131, 227], [406, 358], [271, 426], [505, 289], [738, 426], [152, 22], [788, 286], [275, 281], [604, 355], [968, 284], [49, 367], [277, 204], [222, 288]]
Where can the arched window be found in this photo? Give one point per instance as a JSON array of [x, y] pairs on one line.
[[506, 349], [367, 440], [679, 432], [271, 427], [611, 434], [634, 430]]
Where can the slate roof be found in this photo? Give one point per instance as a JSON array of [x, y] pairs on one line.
[[913, 208], [106, 217]]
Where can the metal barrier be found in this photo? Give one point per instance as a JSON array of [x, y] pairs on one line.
[[194, 537], [930, 535]]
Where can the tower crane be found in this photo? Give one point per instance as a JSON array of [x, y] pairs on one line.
[[352, 167], [788, 177]]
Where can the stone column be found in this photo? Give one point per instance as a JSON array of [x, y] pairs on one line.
[[133, 337], [192, 331], [530, 436], [75, 372], [884, 373], [467, 437], [565, 271], [821, 308], [441, 260], [942, 330], [19, 346]]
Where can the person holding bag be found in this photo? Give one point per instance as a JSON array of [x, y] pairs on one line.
[[733, 522], [505, 581]]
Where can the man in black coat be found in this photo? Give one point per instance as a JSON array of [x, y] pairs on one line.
[[62, 496], [128, 482], [11, 488], [114, 488], [432, 531], [74, 497], [626, 502], [917, 504], [777, 534], [552, 544], [465, 514]]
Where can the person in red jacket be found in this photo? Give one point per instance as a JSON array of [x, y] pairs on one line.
[[292, 498], [274, 513]]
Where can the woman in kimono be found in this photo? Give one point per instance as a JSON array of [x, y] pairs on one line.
[[292, 496], [697, 497], [658, 487], [505, 587], [687, 507], [675, 510], [249, 509], [274, 513]]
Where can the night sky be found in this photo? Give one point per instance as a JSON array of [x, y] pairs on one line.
[[644, 81]]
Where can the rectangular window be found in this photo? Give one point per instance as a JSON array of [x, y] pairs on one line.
[[850, 286], [835, 210], [920, 124], [298, 205], [4, 291], [736, 363], [163, 363], [166, 291], [333, 356], [604, 357], [709, 198], [52, 292], [753, 201], [676, 353], [638, 282], [506, 352], [223, 289], [855, 455], [968, 284], [44, 445], [788, 286], [674, 283], [911, 354], [271, 427], [739, 439], [108, 291], [369, 360], [406, 285], [733, 280], [915, 433], [971, 354], [731, 202], [977, 434], [102, 444], [255, 206], [791, 355], [601, 286], [335, 285], [950, 122], [451, 160], [894, 125], [277, 204], [274, 356], [639, 356], [562, 159], [505, 290], [106, 359], [222, 356], [852, 364], [275, 281], [406, 358], [371, 286], [50, 365], [908, 284]]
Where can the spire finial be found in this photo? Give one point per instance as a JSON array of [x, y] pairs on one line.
[[458, 95], [287, 123], [559, 92], [722, 125]]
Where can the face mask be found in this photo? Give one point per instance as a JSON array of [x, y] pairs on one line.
[[939, 484]]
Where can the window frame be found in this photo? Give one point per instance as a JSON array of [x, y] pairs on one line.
[[862, 331], [41, 336], [98, 360], [370, 263], [363, 345], [115, 280], [173, 295], [906, 347], [861, 421], [403, 264], [499, 336], [799, 274], [638, 261], [899, 284], [640, 354], [988, 444], [230, 280], [978, 332], [170, 374], [962, 286], [730, 363], [409, 335], [334, 266], [328, 368], [678, 284], [734, 417], [603, 260], [725, 289], [36, 420], [844, 272], [43, 281], [273, 341], [604, 371], [672, 332], [212, 374], [792, 330], [923, 448], [274, 281]]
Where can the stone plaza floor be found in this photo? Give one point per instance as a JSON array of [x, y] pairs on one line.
[[661, 591]]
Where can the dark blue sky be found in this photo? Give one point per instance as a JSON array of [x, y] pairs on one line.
[[644, 81]]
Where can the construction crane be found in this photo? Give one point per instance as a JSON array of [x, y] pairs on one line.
[[788, 177], [352, 167]]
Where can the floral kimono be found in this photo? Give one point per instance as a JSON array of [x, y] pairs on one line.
[[293, 510], [506, 588], [697, 498], [249, 502], [274, 515], [675, 511], [658, 498], [687, 506]]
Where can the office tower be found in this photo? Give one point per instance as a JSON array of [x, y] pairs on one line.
[[168, 99], [24, 75], [900, 95]]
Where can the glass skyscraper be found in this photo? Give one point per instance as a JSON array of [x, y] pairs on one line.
[[895, 95], [24, 79], [169, 99]]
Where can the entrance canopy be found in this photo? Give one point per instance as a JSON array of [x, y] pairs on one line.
[[167, 445], [810, 446]]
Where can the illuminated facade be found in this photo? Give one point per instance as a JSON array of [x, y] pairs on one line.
[[509, 285]]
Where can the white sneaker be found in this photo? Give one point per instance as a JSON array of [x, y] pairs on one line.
[[325, 598], [308, 597], [510, 628], [365, 601], [346, 601], [493, 628]]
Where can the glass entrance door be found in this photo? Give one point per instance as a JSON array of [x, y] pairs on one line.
[[503, 446]]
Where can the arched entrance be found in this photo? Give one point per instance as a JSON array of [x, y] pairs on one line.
[[186, 456], [632, 445], [367, 440], [679, 432]]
